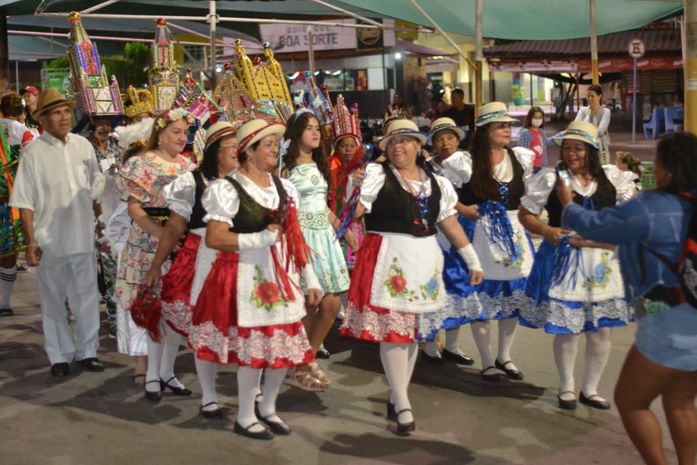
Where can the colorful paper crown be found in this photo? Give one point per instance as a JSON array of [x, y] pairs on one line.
[[141, 102], [163, 74], [345, 122], [233, 98], [96, 95]]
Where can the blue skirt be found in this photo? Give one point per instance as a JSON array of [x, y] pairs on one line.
[[565, 316]]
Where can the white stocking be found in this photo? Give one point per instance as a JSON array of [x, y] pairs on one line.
[[507, 329], [207, 372], [431, 348], [273, 378], [8, 276], [247, 385], [452, 337], [480, 332], [565, 349], [597, 354], [154, 357], [170, 343], [396, 363]]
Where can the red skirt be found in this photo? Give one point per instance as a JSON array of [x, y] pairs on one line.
[[368, 322], [216, 337], [176, 286]]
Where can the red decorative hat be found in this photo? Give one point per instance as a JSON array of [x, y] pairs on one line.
[[345, 122]]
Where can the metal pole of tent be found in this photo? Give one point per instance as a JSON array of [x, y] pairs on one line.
[[594, 43], [531, 97], [310, 51], [478, 57], [634, 92], [212, 19], [690, 25], [17, 76]]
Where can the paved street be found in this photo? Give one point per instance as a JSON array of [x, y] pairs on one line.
[[102, 418]]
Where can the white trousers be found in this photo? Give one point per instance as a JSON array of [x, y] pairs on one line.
[[74, 277]]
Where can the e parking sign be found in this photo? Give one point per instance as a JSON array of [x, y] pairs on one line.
[[636, 48]]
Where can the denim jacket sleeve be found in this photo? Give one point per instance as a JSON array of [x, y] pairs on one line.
[[622, 224]]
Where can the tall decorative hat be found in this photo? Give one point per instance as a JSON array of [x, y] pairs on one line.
[[233, 98], [163, 74], [189, 91], [316, 99], [264, 80], [345, 123], [140, 101], [96, 95]]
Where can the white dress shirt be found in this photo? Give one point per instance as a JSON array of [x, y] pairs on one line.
[[55, 180]]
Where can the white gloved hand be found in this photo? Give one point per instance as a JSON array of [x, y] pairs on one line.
[[257, 240], [310, 278], [469, 255]]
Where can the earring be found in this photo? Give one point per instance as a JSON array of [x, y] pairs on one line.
[[159, 141]]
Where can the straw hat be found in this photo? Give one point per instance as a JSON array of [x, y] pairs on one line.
[[494, 112], [388, 121], [579, 130], [402, 127], [442, 124], [217, 131], [255, 130], [49, 99]]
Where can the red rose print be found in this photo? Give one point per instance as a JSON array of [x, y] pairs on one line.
[[398, 283], [268, 293]]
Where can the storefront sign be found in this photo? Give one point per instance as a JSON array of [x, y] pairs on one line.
[[294, 37]]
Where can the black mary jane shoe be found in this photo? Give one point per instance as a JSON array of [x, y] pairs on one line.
[[6, 312], [323, 353], [433, 360], [460, 359], [60, 369], [176, 390], [405, 429], [594, 401], [154, 396], [91, 364], [565, 404], [216, 414], [511, 373], [494, 377], [280, 428], [391, 411], [263, 434]]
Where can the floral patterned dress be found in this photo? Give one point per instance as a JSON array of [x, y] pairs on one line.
[[397, 293], [570, 290], [142, 177]]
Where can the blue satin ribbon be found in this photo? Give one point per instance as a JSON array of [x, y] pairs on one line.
[[500, 228]]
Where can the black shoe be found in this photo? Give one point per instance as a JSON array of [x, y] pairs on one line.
[[511, 373], [323, 353], [490, 377], [566, 404], [178, 391], [431, 359], [405, 429], [264, 434], [21, 268], [277, 427], [60, 369], [391, 411], [216, 414], [6, 312], [594, 401], [460, 359], [91, 364], [155, 396]]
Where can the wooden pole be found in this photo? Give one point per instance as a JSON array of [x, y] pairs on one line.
[[213, 19], [478, 56], [594, 43], [690, 31]]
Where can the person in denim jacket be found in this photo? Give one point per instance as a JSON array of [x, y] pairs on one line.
[[663, 360]]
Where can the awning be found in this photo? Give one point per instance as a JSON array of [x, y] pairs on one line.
[[26, 48], [416, 49]]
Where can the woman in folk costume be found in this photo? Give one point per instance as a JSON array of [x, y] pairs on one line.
[[397, 287], [142, 178], [575, 286], [456, 166], [306, 167], [347, 162], [250, 309], [14, 135], [184, 280], [503, 246]]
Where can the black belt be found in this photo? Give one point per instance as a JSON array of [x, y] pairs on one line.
[[159, 214]]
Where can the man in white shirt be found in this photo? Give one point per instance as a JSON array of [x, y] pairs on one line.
[[52, 191]]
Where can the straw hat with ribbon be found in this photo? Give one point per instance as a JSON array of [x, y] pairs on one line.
[[443, 124], [255, 130], [49, 99], [579, 130], [494, 112], [217, 131], [402, 127]]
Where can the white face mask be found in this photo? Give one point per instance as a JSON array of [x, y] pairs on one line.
[[537, 122]]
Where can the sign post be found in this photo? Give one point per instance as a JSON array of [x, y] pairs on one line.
[[636, 51]]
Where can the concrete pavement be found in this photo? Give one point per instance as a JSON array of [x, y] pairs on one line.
[[103, 419]]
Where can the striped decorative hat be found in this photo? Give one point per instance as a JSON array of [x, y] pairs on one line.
[[442, 124], [402, 127], [494, 112], [346, 123], [579, 130]]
